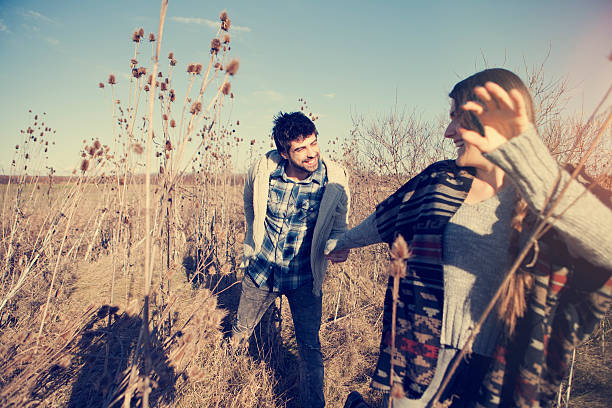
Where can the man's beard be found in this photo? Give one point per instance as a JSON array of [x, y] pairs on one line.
[[303, 167]]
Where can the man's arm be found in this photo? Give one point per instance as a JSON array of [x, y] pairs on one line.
[[340, 218], [340, 222]]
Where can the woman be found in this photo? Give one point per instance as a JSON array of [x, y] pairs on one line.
[[465, 222]]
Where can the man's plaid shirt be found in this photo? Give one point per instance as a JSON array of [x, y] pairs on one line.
[[283, 263]]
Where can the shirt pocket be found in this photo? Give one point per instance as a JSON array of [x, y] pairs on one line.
[[307, 213], [276, 206]]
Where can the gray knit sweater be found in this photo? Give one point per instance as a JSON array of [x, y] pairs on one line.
[[476, 257]]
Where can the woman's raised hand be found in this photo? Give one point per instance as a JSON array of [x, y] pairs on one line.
[[503, 116]]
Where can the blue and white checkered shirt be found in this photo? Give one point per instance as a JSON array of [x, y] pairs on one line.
[[283, 262]]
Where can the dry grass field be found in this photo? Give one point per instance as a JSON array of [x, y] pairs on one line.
[[84, 354]]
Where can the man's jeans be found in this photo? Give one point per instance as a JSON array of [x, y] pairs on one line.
[[306, 314]]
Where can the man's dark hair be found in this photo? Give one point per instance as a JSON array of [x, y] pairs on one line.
[[291, 126]]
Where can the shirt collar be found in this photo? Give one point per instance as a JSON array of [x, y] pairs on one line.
[[316, 176]]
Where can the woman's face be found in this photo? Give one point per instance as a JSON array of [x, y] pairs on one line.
[[467, 154]]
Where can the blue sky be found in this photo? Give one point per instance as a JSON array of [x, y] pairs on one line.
[[343, 57]]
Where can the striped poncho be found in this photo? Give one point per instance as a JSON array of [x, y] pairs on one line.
[[529, 365]]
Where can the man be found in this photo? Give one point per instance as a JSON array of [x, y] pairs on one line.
[[294, 201]]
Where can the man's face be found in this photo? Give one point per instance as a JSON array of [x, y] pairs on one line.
[[303, 156]]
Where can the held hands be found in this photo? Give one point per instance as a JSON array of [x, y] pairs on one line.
[[503, 116], [338, 255]]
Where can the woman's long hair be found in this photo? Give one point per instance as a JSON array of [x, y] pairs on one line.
[[512, 303]]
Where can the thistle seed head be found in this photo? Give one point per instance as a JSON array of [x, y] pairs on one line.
[[232, 67], [397, 268], [137, 148], [225, 24], [215, 45], [196, 108], [399, 249], [226, 88]]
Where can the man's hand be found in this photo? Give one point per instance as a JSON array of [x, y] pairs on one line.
[[338, 256]]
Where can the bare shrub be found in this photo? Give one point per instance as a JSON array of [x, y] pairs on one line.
[[396, 145]]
